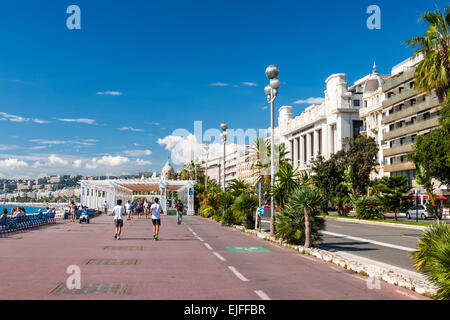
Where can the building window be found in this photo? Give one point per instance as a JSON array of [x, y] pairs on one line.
[[365, 103], [357, 125], [356, 103], [378, 99]]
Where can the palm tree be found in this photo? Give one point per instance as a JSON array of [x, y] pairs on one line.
[[287, 180], [434, 70], [433, 257], [299, 222], [260, 160], [425, 180], [237, 187]]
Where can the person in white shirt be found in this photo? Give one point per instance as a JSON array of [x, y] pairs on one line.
[[156, 211], [118, 212], [146, 209], [128, 209], [105, 207]]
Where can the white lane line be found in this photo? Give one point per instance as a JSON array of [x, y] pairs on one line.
[[383, 244], [208, 246], [262, 295], [408, 295], [200, 239], [238, 274], [194, 233], [219, 256]]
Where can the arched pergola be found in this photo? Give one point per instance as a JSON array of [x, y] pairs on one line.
[[95, 192]]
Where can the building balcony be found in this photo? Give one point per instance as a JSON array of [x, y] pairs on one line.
[[416, 127], [398, 150], [406, 94], [394, 82], [409, 111], [399, 167]]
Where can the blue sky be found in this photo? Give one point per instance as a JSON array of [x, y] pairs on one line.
[[151, 67]]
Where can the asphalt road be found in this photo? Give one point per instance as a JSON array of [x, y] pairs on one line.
[[198, 260], [386, 244]]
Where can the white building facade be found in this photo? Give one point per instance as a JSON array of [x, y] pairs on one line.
[[321, 128]]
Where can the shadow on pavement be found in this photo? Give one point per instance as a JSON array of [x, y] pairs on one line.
[[344, 246]]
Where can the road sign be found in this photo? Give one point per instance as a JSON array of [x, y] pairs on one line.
[[260, 211], [248, 249]]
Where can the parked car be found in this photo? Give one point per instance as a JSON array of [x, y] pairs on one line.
[[419, 210]]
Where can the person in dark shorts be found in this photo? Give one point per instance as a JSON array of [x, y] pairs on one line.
[[118, 212], [180, 209], [156, 211]]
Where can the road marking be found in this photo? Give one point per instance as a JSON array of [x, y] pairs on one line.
[[408, 295], [262, 295], [219, 256], [200, 239], [411, 237], [383, 244], [208, 246], [194, 233], [238, 274]]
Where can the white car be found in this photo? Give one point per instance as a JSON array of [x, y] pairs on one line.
[[420, 211]]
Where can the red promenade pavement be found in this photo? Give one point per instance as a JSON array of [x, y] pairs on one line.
[[182, 265]]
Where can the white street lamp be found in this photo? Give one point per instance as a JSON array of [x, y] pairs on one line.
[[224, 127], [206, 166], [271, 91]]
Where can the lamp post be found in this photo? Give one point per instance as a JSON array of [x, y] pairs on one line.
[[206, 166], [271, 91], [224, 127]]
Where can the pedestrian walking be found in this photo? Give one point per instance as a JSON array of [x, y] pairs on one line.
[[73, 211], [156, 211], [146, 209], [128, 209], [118, 212], [180, 209], [105, 207]]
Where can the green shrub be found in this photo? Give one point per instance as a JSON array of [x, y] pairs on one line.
[[433, 257], [206, 211], [244, 209], [229, 219], [368, 208]]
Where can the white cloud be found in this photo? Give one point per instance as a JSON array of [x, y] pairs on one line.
[[37, 164], [250, 84], [109, 161], [7, 147], [130, 129], [78, 163], [137, 153], [54, 160], [19, 119], [12, 164], [141, 162], [264, 108], [220, 84], [86, 121], [109, 93], [310, 100], [87, 142], [185, 149], [38, 148]]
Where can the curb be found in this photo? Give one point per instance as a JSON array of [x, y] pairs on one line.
[[390, 274], [385, 224]]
